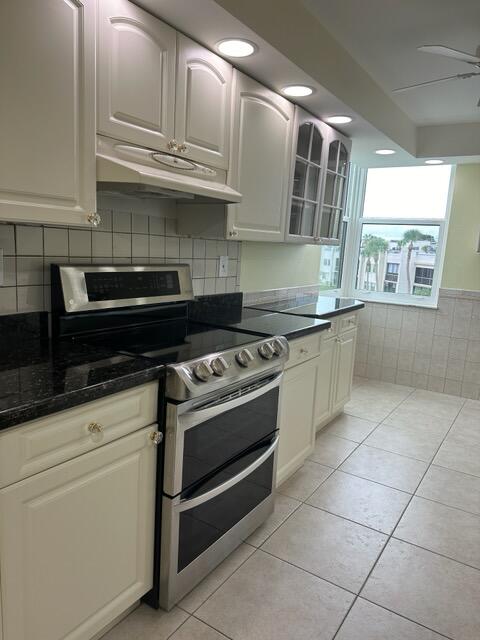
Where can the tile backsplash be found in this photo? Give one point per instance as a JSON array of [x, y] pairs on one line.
[[126, 235], [435, 349]]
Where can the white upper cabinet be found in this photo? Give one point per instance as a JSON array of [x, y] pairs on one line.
[[202, 108], [47, 111], [330, 225], [309, 158], [136, 75], [259, 161]]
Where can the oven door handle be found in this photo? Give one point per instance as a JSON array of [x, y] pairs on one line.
[[195, 502], [191, 416]]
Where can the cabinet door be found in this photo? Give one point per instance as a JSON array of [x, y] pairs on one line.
[[203, 103], [259, 161], [76, 542], [325, 376], [297, 435], [335, 190], [47, 111], [344, 369], [307, 177], [136, 75]]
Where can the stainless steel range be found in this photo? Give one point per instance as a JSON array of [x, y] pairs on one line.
[[219, 404], [220, 458]]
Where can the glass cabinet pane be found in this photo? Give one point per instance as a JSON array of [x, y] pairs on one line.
[[303, 141], [316, 151], [299, 178], [332, 155], [312, 183], [308, 219], [295, 217], [339, 191], [325, 222], [329, 188], [343, 160]]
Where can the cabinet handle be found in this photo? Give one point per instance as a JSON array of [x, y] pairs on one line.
[[182, 148], [94, 427], [94, 219], [232, 234], [156, 437], [172, 145]]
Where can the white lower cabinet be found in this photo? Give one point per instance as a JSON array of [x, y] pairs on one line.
[[316, 386], [76, 541], [297, 436]]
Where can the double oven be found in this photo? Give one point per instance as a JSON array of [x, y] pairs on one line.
[[219, 477]]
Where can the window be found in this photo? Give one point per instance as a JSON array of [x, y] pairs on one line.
[[396, 239], [330, 260]]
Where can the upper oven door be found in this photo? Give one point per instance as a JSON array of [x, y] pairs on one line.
[[200, 439], [95, 287]]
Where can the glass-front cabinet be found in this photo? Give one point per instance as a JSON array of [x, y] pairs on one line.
[[336, 175], [319, 173], [308, 167]]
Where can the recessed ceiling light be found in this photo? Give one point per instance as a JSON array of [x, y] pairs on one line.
[[339, 119], [384, 152], [297, 90], [236, 47], [433, 161]]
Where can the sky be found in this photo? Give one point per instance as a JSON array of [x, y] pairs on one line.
[[396, 231], [407, 192]]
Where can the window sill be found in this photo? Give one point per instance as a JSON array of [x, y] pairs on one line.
[[402, 303]]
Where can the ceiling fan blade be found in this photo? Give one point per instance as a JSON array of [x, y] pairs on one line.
[[449, 53], [423, 84]]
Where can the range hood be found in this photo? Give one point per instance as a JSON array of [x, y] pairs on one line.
[[127, 169]]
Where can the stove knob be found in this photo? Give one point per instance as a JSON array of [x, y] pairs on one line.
[[278, 347], [244, 357], [266, 351], [219, 366], [202, 371]]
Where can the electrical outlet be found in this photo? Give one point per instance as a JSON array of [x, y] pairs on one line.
[[223, 266]]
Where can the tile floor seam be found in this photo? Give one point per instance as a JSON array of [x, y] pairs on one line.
[[349, 519], [269, 553], [179, 627], [444, 504], [390, 536], [471, 475], [396, 453], [382, 484], [223, 582], [420, 624], [212, 627], [437, 553]]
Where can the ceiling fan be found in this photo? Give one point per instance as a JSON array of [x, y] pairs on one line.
[[473, 60]]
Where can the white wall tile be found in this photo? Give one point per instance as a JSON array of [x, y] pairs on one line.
[[102, 244], [80, 243], [122, 245], [7, 239], [199, 248], [29, 271], [55, 241], [29, 240], [140, 245], [172, 247], [186, 248], [122, 222], [9, 271], [139, 223], [8, 300], [30, 298], [157, 246]]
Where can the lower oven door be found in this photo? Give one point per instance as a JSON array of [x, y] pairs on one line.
[[200, 531]]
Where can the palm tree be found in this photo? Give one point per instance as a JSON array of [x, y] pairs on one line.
[[409, 237], [373, 247]]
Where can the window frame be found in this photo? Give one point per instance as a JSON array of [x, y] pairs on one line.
[[354, 237]]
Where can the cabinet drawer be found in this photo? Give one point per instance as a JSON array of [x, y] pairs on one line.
[[303, 349], [48, 441], [347, 322]]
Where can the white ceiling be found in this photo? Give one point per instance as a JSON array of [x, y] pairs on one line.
[[383, 36], [295, 46]]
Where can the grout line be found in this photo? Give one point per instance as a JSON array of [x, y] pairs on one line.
[[437, 553], [399, 519], [212, 627]]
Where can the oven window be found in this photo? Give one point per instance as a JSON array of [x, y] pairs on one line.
[[201, 526], [211, 444]]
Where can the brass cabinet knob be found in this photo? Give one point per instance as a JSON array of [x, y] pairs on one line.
[[156, 437], [94, 427], [94, 219], [172, 145]]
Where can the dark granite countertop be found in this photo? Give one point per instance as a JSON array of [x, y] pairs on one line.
[[39, 377], [226, 312], [312, 306]]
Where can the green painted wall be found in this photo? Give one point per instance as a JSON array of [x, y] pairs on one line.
[[461, 268], [265, 265]]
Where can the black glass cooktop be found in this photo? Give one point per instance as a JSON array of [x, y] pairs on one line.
[[312, 307], [170, 342], [262, 323]]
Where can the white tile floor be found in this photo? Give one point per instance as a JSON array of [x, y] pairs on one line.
[[377, 537]]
